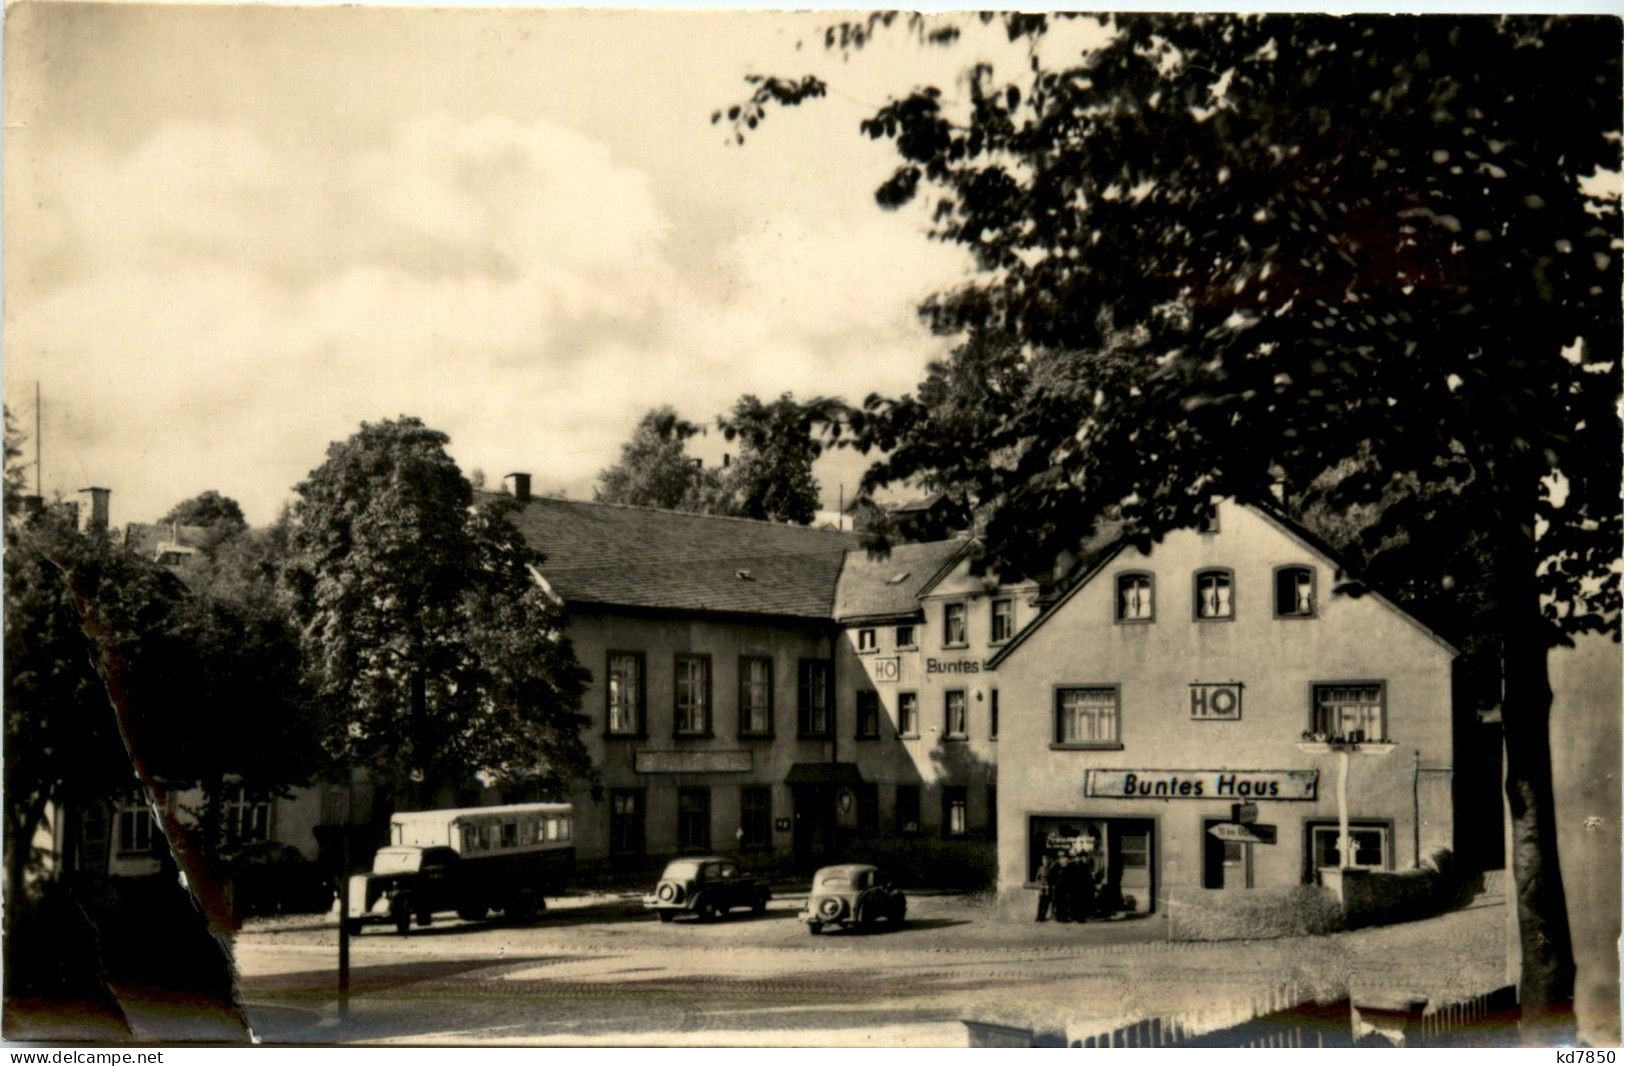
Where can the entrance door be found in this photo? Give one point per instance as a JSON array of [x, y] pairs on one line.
[[1225, 863], [814, 815], [1132, 864]]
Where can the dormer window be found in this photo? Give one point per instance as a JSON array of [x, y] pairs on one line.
[[1294, 592], [1213, 594], [1134, 598]]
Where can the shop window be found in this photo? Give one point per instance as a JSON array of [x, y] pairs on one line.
[[247, 817], [1134, 598], [1350, 710], [694, 819], [908, 808], [135, 829], [866, 640], [1003, 621], [954, 634], [953, 811], [1087, 716], [868, 714], [905, 636], [953, 715], [868, 809], [993, 714], [908, 714], [1214, 594], [755, 817], [755, 696], [626, 821], [1369, 851], [625, 698], [692, 706], [1294, 592], [813, 717]]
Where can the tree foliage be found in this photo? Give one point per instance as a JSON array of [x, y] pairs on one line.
[[772, 477], [655, 469], [1374, 260], [209, 509], [434, 652]]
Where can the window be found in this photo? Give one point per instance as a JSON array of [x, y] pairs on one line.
[[1213, 594], [905, 636], [953, 714], [1370, 850], [248, 820], [1208, 520], [993, 714], [1352, 710], [953, 811], [908, 808], [813, 718], [1004, 620], [755, 817], [1294, 592], [868, 715], [868, 809], [510, 835], [755, 696], [625, 697], [694, 819], [135, 829], [953, 625], [1086, 715], [1134, 599], [866, 640], [908, 714], [692, 706]]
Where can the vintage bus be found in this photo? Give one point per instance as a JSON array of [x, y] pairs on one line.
[[470, 860]]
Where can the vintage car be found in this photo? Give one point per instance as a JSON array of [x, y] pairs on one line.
[[470, 860], [706, 886], [853, 894]]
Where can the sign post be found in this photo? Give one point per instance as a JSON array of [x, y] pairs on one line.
[[1344, 748]]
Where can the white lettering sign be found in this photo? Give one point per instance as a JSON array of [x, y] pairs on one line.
[[1202, 784]]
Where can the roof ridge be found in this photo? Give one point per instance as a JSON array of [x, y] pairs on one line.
[[675, 511], [699, 557]]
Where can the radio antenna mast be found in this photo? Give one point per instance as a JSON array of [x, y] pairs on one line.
[[38, 469]]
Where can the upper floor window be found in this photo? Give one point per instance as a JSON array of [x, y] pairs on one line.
[[1134, 599], [953, 714], [953, 625], [625, 695], [1352, 710], [693, 697], [908, 714], [866, 640], [813, 717], [1208, 520], [1294, 592], [868, 714], [1087, 715], [135, 828], [755, 696], [1213, 594], [905, 636], [1004, 620]]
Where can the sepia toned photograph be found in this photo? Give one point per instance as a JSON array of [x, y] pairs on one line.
[[742, 528]]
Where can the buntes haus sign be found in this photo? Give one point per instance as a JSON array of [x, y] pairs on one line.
[[1201, 784]]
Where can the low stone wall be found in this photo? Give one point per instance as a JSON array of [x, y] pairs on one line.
[[1258, 914]]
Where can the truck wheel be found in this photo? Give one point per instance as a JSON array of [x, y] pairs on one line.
[[522, 908], [472, 912], [401, 915], [666, 916]]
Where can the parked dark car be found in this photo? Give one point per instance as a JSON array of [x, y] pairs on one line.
[[706, 886], [269, 878], [853, 894]]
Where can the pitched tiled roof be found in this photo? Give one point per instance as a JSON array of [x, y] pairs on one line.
[[615, 555], [144, 538], [875, 587]]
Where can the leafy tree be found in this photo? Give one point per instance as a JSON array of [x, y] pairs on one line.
[[1372, 259], [14, 481], [655, 469], [209, 509], [772, 477], [433, 651]]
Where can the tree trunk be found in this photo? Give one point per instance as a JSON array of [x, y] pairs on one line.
[[1546, 979]]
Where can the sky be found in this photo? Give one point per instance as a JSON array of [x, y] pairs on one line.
[[235, 233]]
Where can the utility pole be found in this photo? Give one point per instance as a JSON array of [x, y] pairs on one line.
[[38, 470]]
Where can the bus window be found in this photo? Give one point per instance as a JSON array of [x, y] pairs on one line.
[[471, 839], [552, 829], [510, 834], [564, 828]]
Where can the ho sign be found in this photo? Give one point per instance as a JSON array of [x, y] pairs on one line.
[[886, 669], [1216, 701]]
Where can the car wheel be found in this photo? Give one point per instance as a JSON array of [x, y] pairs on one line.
[[760, 906], [425, 918], [401, 915], [708, 911], [472, 912], [666, 916], [815, 928], [900, 911]]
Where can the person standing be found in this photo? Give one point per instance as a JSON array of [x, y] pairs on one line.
[[1081, 901], [1061, 886], [1046, 885]]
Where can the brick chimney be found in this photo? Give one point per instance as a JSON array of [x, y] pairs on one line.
[[518, 485], [97, 522]]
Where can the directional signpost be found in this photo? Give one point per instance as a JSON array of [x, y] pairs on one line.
[[1244, 834]]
